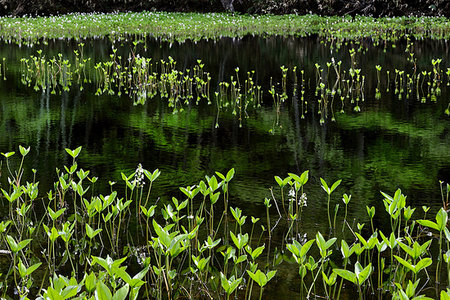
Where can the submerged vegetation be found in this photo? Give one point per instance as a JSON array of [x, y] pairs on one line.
[[182, 26], [200, 245]]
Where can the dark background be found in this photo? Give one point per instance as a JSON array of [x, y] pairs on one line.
[[375, 8]]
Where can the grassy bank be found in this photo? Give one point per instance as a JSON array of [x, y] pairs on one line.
[[194, 26]]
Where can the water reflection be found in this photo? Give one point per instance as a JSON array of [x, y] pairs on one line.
[[390, 144]]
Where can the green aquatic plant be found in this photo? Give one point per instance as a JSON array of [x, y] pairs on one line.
[[329, 190], [261, 279], [195, 26], [358, 277], [440, 225], [142, 79], [176, 248], [346, 199]]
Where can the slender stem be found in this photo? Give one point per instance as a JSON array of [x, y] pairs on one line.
[[328, 209]]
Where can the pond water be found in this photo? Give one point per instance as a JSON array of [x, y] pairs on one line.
[[390, 143]]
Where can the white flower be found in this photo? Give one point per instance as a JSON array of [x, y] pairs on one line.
[[291, 192], [302, 200], [139, 176]]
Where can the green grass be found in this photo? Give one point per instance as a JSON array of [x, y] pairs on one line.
[[194, 26]]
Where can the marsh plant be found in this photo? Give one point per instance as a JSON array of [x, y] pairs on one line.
[[69, 242], [144, 79], [195, 26]]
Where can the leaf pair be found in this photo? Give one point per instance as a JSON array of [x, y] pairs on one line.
[[441, 221], [358, 277], [260, 277], [327, 189], [422, 264], [229, 285]]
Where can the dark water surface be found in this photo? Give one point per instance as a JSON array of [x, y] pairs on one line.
[[389, 144]]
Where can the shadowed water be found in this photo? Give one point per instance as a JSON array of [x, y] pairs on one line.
[[391, 143]]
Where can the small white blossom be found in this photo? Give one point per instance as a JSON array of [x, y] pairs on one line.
[[291, 192], [302, 200], [139, 176]]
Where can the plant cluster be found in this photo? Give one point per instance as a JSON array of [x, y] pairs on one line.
[[194, 26], [143, 79], [85, 245]]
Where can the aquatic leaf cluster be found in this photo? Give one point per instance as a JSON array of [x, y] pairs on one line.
[[70, 241], [142, 79]]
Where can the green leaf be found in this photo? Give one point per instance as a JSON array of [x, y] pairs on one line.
[[16, 247], [446, 232], [257, 252], [325, 186], [240, 259], [74, 153], [422, 264], [361, 239], [224, 282], [214, 197], [335, 185], [240, 240], [429, 224], [163, 235], [445, 295], [405, 263], [213, 184], [102, 292], [8, 154], [271, 274], [57, 214], [320, 241], [90, 282], [305, 248], [364, 274], [346, 274], [4, 225], [120, 272], [302, 179], [230, 174], [441, 219], [330, 242], [22, 269], [12, 243], [105, 263], [370, 211], [329, 280], [33, 268], [229, 285], [54, 234], [407, 249], [295, 248], [53, 295], [279, 181], [221, 176], [24, 151], [259, 277], [91, 233], [295, 177], [122, 293]]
